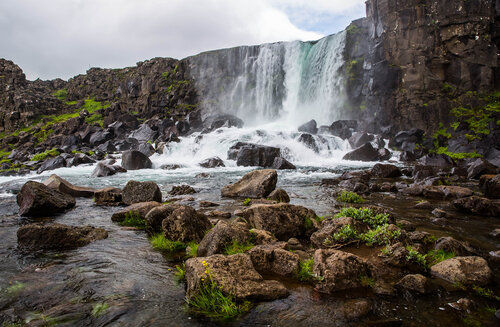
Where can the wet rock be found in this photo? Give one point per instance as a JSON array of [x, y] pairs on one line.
[[274, 259], [309, 141], [170, 167], [102, 170], [413, 283], [181, 190], [134, 160], [323, 237], [156, 215], [407, 156], [436, 160], [478, 205], [342, 128], [107, 147], [364, 153], [100, 137], [420, 172], [51, 164], [444, 192], [356, 308], [221, 236], [449, 244], [146, 149], [57, 183], [109, 196], [282, 220], [36, 200], [384, 154], [361, 188], [294, 244], [495, 233], [140, 209], [279, 195], [439, 213], [465, 270], [206, 204], [212, 163], [55, 236], [217, 214], [359, 139], [385, 171], [282, 163], [406, 140], [185, 224], [413, 190], [462, 304], [250, 154], [340, 270], [492, 188], [143, 134], [79, 159], [480, 167], [255, 184], [309, 127], [214, 122], [135, 192], [235, 275]]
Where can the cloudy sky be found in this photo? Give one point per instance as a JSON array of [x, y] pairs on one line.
[[63, 38]]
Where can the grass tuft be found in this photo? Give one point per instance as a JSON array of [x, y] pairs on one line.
[[132, 219], [180, 274], [99, 309], [159, 242], [305, 271], [435, 257], [238, 247], [365, 215], [350, 197]]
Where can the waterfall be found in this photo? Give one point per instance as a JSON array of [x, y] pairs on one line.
[[289, 82]]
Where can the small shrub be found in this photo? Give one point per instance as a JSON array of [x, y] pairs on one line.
[[367, 281], [193, 249], [159, 242], [305, 271], [246, 202], [99, 309], [350, 197], [180, 274], [238, 247], [485, 292], [380, 236], [414, 256], [435, 257], [132, 219], [365, 215], [345, 234]]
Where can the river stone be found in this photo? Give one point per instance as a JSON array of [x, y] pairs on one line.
[[449, 244], [57, 183], [479, 206], [358, 139], [468, 271], [36, 199], [53, 236], [109, 196], [79, 159], [212, 163], [385, 171], [356, 308], [235, 275], [143, 134], [255, 184], [365, 152], [257, 155], [146, 149], [340, 270], [261, 236], [480, 167], [51, 164], [444, 192], [282, 219], [309, 141], [135, 192], [222, 235], [274, 259], [309, 127], [413, 283], [181, 190], [155, 217], [185, 224], [134, 160], [492, 188], [140, 209], [279, 195], [282, 163], [103, 169]]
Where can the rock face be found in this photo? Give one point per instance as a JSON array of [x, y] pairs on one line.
[[283, 220], [255, 184], [465, 270], [235, 275], [135, 192], [57, 183], [134, 160], [54, 236], [36, 200], [185, 224], [340, 270]]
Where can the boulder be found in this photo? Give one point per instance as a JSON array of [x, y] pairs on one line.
[[480, 167], [109, 196], [365, 152], [407, 156], [140, 209], [100, 137], [255, 184], [107, 147], [144, 133], [444, 192], [212, 163], [478, 205], [282, 220], [309, 127], [384, 154], [449, 244], [279, 195], [207, 204], [55, 236], [134, 160], [79, 159], [156, 215], [57, 183], [221, 236], [36, 200], [135, 192], [385, 171], [185, 224], [146, 149], [51, 164], [340, 270], [413, 283], [214, 122], [235, 275], [181, 190], [102, 170], [406, 140], [469, 271], [492, 188], [274, 259], [436, 160], [282, 163], [322, 238], [359, 139], [256, 155], [309, 141], [342, 128]]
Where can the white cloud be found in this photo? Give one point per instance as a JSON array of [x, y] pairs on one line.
[[62, 38]]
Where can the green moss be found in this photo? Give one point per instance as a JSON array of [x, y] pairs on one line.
[[95, 119], [349, 197], [352, 29], [61, 94], [47, 153], [99, 309], [15, 288], [193, 249], [308, 224], [457, 155], [246, 202], [159, 242], [238, 247], [133, 219]]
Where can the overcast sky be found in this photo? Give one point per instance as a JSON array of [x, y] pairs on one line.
[[63, 38]]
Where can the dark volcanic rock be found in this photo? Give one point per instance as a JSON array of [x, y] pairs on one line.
[[135, 192], [309, 141], [309, 127], [478, 205], [79, 159], [214, 122], [282, 163], [182, 190], [492, 188], [255, 184], [57, 183], [406, 140], [358, 139], [144, 133], [36, 199], [212, 163], [480, 167], [55, 236], [51, 164], [385, 171], [146, 149], [249, 154], [102, 170], [364, 153], [109, 196], [342, 128], [436, 160], [185, 224], [134, 160]]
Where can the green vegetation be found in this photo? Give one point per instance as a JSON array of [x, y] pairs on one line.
[[349, 197], [180, 274], [192, 249], [367, 281], [159, 242], [95, 119], [345, 234], [211, 302], [98, 309], [238, 247], [4, 157], [15, 288], [485, 292], [133, 219], [381, 235], [246, 202], [435, 257], [457, 155], [365, 215], [308, 224], [47, 153], [305, 271], [416, 257], [61, 94]]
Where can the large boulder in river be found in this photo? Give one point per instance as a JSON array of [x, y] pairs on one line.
[[469, 271], [255, 184], [342, 128], [279, 195], [251, 154], [102, 169], [274, 259], [57, 183], [221, 236], [140, 210], [155, 217], [282, 163], [134, 160], [185, 224], [359, 139], [55, 236], [109, 196], [235, 275], [212, 163], [51, 164], [365, 152], [310, 127], [135, 192], [385, 171], [283, 220], [478, 205], [36, 200], [340, 270], [480, 167]]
